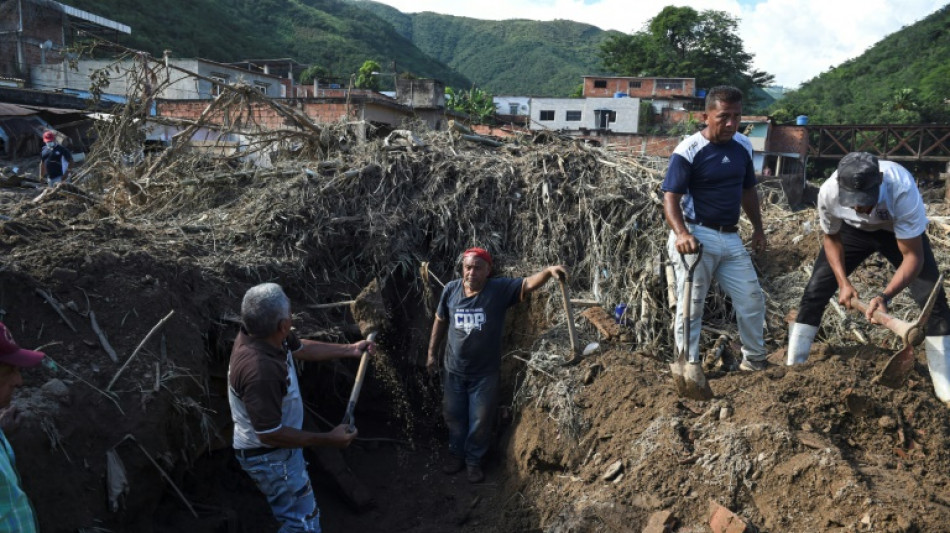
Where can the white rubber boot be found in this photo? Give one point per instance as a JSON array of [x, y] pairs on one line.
[[800, 337], [938, 359]]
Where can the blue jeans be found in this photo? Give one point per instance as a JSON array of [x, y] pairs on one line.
[[468, 405], [282, 476], [726, 260]]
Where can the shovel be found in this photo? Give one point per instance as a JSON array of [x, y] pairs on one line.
[[687, 369], [348, 418], [575, 356], [911, 333]]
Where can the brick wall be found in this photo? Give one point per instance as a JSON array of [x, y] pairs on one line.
[[650, 145], [647, 89], [265, 116], [39, 25], [268, 118]]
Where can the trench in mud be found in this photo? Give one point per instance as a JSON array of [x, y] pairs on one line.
[[402, 443]]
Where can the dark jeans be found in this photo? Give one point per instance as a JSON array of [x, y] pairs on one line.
[[468, 405], [858, 246]]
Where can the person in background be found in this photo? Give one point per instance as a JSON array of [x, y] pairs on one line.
[[16, 512], [54, 160], [472, 310]]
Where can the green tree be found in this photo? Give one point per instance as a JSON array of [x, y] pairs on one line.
[[475, 102], [681, 42], [365, 79], [313, 72], [902, 108]]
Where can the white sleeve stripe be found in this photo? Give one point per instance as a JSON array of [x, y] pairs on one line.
[[268, 430]]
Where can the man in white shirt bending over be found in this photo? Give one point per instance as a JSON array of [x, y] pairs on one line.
[[870, 206]]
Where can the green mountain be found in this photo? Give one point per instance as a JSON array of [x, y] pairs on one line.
[[509, 57], [333, 34], [903, 79]]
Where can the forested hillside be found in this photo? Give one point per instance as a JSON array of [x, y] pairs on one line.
[[903, 79], [521, 57], [333, 34]]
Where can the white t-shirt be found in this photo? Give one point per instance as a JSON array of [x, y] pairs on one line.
[[900, 208]]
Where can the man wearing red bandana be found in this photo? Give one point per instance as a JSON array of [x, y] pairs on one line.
[[472, 311]]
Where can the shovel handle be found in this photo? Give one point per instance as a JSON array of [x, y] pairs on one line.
[[688, 299], [570, 315], [358, 384], [912, 333], [898, 326], [691, 266]]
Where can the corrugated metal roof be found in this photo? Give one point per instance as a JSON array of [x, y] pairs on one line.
[[85, 15], [13, 110]]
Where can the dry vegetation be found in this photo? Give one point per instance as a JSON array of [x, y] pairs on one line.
[[324, 212]]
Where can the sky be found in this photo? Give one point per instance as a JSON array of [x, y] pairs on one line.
[[795, 40]]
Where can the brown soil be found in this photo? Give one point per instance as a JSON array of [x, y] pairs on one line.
[[815, 448]]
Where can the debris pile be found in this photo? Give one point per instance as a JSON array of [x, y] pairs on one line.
[[91, 270]]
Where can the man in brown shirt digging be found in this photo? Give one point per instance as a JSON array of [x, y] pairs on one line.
[[267, 408]]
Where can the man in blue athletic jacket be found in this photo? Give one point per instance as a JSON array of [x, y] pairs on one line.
[[709, 178]]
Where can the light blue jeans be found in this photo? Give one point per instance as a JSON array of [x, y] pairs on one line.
[[282, 476], [727, 261], [468, 405]]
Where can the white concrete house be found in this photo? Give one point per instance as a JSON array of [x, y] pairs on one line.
[[182, 87], [618, 115], [512, 105]]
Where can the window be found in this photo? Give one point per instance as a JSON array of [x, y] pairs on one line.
[[633, 84], [603, 118], [600, 84], [547, 115], [262, 87], [573, 116], [219, 80], [669, 85], [512, 108]]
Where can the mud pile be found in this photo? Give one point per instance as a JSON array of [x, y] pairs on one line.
[[597, 446]]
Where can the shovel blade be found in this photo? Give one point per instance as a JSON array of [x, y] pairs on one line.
[[897, 368], [689, 379]]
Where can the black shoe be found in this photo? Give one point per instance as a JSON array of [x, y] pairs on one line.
[[475, 474], [453, 464], [753, 366]]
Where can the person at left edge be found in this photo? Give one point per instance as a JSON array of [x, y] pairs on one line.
[[16, 512]]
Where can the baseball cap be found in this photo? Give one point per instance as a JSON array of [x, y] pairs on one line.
[[48, 136], [859, 180], [12, 354]]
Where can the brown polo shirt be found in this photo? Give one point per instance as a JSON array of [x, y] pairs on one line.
[[258, 376]]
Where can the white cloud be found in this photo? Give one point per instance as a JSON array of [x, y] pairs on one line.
[[795, 40]]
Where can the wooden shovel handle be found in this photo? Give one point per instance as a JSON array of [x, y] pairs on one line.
[[358, 384], [898, 326], [570, 315]]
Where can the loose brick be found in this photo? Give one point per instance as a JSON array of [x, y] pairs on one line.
[[660, 522], [722, 520]]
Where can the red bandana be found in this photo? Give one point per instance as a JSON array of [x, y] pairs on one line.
[[480, 253]]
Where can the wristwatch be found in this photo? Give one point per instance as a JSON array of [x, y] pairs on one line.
[[886, 298]]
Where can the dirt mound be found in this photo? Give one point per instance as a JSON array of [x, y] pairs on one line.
[[598, 446], [816, 448]]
